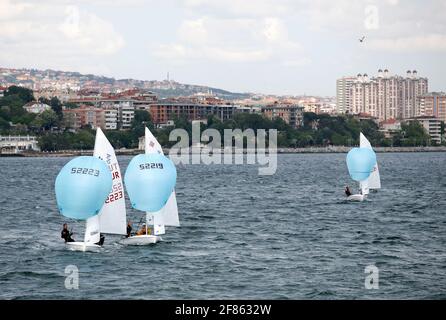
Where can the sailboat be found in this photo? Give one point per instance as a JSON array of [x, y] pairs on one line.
[[167, 212], [373, 182], [82, 186], [361, 163], [112, 216]]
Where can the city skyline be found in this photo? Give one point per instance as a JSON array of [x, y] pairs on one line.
[[270, 47]]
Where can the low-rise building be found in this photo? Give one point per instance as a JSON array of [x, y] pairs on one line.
[[16, 144], [165, 110], [365, 117], [390, 127], [36, 107], [248, 109], [125, 111], [291, 114], [85, 115], [432, 126]]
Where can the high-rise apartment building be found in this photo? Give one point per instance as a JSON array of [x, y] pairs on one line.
[[384, 96], [343, 97], [412, 87]]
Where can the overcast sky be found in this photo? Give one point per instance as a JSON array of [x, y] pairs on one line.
[[266, 46]]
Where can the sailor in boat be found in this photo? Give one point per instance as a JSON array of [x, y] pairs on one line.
[[129, 229], [101, 240], [66, 234], [143, 231], [348, 193]]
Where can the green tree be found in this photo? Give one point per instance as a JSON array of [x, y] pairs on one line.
[[141, 120], [4, 125], [414, 134], [24, 94], [121, 139], [56, 105], [47, 120], [83, 139]]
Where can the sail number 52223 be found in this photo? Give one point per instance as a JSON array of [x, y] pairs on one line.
[[92, 172]]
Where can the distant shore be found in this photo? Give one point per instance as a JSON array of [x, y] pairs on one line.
[[329, 149]]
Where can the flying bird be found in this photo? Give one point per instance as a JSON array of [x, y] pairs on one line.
[[362, 39]]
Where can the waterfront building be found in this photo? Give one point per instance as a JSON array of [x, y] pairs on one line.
[[16, 144]]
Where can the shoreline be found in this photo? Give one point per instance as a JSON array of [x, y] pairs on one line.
[[130, 152]]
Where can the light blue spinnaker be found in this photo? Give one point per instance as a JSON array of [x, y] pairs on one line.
[[82, 186], [360, 162], [150, 180]]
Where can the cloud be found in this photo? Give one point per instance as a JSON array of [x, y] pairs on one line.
[[245, 8], [10, 10], [51, 35], [89, 32], [232, 40], [423, 43]]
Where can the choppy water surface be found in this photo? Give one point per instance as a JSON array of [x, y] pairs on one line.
[[286, 236]]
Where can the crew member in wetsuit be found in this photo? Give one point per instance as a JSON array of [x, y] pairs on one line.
[[66, 234], [129, 229], [347, 191]]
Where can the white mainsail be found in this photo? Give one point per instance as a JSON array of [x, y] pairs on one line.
[[168, 215], [373, 181], [92, 230], [112, 217]]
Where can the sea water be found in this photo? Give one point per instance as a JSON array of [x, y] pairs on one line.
[[290, 235]]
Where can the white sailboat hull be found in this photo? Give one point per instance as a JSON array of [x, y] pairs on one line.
[[142, 240], [356, 197], [82, 246]]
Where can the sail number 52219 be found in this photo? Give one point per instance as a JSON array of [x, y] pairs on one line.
[[144, 166]]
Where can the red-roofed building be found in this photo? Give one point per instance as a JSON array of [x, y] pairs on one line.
[[390, 127], [2, 91]]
